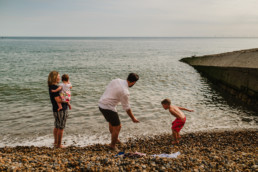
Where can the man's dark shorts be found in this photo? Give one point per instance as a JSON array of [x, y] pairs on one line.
[[111, 116], [60, 119]]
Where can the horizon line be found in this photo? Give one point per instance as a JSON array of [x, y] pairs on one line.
[[128, 37]]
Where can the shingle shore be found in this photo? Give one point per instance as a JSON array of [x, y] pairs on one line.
[[204, 151]]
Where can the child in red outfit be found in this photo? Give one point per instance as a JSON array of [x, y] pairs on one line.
[[179, 122]]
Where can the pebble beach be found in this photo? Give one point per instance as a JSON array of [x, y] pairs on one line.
[[199, 151]]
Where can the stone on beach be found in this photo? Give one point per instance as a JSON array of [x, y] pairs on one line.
[[204, 151]]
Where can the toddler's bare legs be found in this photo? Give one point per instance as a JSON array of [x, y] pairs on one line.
[[69, 105], [59, 106]]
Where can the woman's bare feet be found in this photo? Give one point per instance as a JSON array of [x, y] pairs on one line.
[[61, 146]]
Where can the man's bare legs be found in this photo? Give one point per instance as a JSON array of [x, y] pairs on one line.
[[175, 135], [111, 129], [114, 130]]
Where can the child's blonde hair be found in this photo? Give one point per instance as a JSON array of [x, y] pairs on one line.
[[52, 78]]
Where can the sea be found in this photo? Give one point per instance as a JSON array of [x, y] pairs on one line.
[[26, 117]]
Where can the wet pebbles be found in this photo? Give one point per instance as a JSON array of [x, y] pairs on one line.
[[210, 151]]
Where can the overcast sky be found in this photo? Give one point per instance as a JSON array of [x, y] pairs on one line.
[[173, 18]]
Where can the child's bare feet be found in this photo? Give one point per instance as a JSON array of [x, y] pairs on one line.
[[175, 142], [59, 109]]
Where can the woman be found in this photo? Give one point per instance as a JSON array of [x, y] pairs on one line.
[[60, 116]]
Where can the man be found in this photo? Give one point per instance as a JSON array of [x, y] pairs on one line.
[[116, 92]]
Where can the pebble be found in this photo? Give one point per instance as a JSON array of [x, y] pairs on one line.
[[206, 151]]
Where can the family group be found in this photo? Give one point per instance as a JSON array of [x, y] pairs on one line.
[[117, 91]]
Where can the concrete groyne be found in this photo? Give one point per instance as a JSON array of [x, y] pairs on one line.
[[235, 72]]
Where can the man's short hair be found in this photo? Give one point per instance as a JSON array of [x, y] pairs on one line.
[[132, 77], [65, 77], [166, 102]]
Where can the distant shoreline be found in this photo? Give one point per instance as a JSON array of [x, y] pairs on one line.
[[114, 37]]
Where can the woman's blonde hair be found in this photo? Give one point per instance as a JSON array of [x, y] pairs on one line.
[[52, 78]]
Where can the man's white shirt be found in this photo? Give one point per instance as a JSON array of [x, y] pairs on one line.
[[116, 92]]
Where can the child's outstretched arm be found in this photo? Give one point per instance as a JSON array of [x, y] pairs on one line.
[[57, 90], [181, 108]]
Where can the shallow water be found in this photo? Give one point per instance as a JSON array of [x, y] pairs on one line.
[[26, 117]]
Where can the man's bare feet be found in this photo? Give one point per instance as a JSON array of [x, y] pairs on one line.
[[114, 149], [119, 142], [175, 142]]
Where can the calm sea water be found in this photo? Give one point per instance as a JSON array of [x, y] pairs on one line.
[[26, 117]]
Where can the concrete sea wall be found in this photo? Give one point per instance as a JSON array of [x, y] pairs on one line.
[[235, 72]]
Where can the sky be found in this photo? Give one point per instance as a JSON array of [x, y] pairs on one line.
[[129, 18]]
